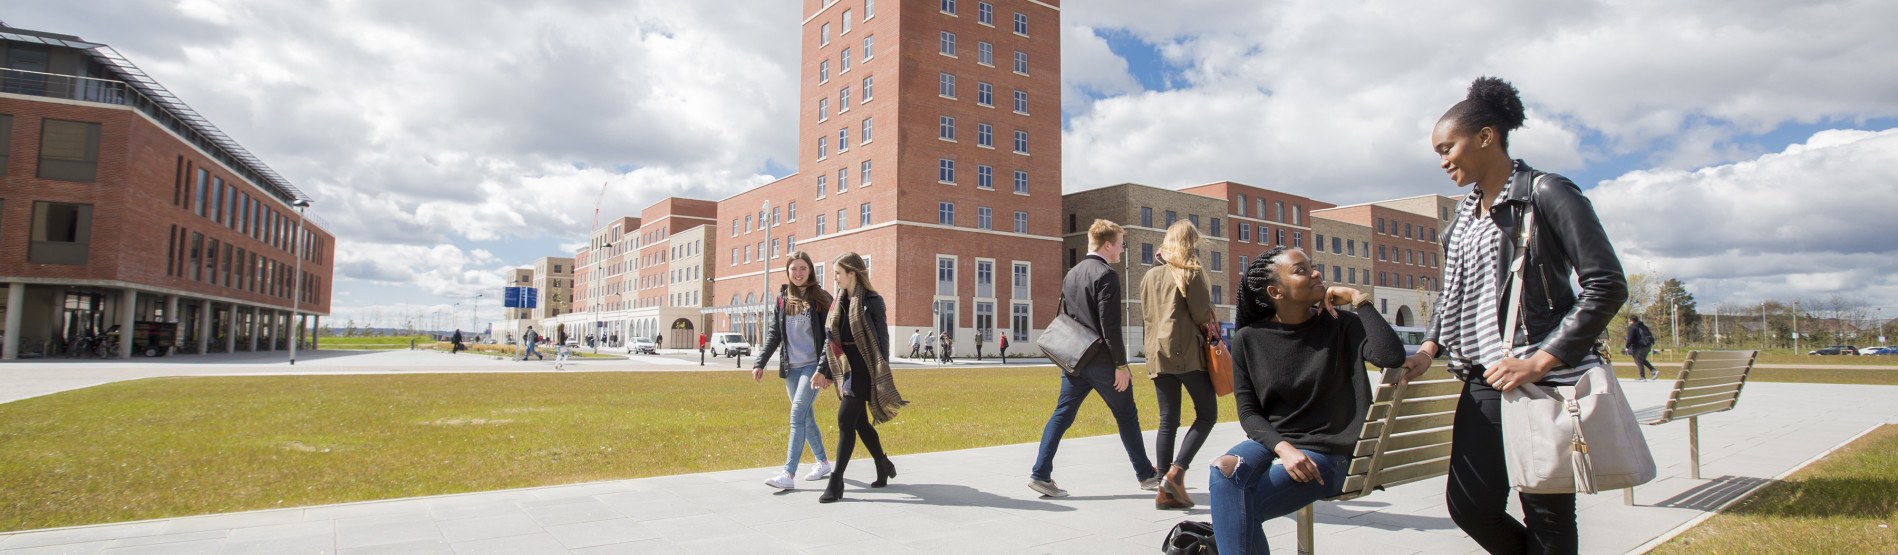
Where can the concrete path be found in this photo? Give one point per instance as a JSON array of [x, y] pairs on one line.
[[975, 501]]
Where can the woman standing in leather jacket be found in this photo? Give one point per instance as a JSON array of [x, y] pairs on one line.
[[857, 356], [1560, 326], [797, 325]]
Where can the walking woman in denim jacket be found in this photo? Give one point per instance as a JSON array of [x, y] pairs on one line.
[[797, 326]]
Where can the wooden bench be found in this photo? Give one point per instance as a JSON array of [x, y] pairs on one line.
[[1406, 438], [1710, 381]]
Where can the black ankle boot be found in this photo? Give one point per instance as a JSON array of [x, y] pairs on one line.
[[885, 471], [834, 490]]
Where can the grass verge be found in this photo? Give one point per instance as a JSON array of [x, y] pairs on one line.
[[1846, 503], [169, 447], [1625, 370]]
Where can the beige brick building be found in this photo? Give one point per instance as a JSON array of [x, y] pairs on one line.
[[1144, 213]]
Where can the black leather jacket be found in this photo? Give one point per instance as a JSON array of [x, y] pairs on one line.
[[1568, 240], [774, 336], [873, 310]]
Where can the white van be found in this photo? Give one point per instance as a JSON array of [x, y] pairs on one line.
[[1411, 336], [730, 344]]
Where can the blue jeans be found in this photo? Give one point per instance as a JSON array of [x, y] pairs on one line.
[[1258, 491], [1074, 390], [530, 351], [797, 386]]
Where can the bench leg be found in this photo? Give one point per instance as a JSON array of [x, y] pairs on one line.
[[1304, 531], [1693, 446], [1627, 496]]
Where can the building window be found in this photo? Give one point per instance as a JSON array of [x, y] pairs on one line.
[[1298, 215], [218, 191], [985, 279], [946, 213], [1146, 216], [1146, 253], [1021, 182], [69, 150], [843, 100], [946, 128], [984, 218], [1021, 62], [843, 61], [1298, 239], [1407, 234], [823, 34], [945, 276], [843, 139], [1318, 243], [1337, 274], [1351, 247], [823, 72], [1278, 211], [1219, 263], [867, 90], [790, 214], [1019, 319], [946, 170], [62, 233], [820, 225], [1171, 217], [1021, 222], [6, 145], [1336, 245], [949, 7], [1019, 281], [823, 186], [823, 150], [1219, 294], [869, 47], [846, 22], [843, 180], [1242, 262], [984, 94], [865, 138], [1021, 142], [946, 85], [947, 44], [863, 215], [984, 135], [984, 177], [1241, 203], [1382, 253], [869, 11], [1021, 102], [823, 109], [863, 176], [1216, 229], [1380, 225], [1021, 24], [984, 13]]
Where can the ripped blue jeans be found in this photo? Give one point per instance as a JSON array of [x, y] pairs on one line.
[[1259, 490]]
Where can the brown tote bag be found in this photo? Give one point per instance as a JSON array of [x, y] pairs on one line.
[[1218, 359]]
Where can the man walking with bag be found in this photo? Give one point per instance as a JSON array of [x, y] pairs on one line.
[[1091, 296], [1640, 342]]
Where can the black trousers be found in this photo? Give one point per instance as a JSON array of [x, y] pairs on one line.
[[853, 421], [1205, 413], [1641, 361], [1478, 489]]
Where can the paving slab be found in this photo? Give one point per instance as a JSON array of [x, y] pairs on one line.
[[976, 501]]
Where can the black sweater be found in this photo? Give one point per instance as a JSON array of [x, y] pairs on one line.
[[1306, 384]]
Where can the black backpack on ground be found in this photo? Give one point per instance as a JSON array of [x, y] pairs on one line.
[[1190, 538]]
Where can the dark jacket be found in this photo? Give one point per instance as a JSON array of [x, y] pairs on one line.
[[774, 335], [879, 332], [1639, 336], [1090, 294], [1568, 240]]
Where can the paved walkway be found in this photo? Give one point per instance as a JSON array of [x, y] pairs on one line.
[[975, 501]]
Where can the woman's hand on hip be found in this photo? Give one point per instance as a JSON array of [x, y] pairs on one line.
[[1297, 465]]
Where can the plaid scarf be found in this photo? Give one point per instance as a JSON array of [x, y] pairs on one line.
[[884, 399]]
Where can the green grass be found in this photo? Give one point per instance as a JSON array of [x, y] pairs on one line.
[[184, 446], [1847, 503]]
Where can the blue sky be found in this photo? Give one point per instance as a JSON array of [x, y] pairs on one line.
[[447, 141]]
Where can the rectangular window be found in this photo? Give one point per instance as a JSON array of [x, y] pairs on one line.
[[1298, 239], [1219, 295], [869, 47], [843, 180], [823, 72], [946, 128], [1351, 247], [946, 213], [984, 135], [210, 262], [823, 186], [62, 233], [69, 150], [984, 279], [863, 176], [846, 22], [863, 215], [1019, 281], [946, 45], [946, 170], [1216, 229], [984, 177], [224, 265], [1021, 62], [949, 7], [984, 13], [1278, 211], [1019, 317], [984, 94], [945, 276], [843, 61], [1380, 225], [1021, 102], [217, 199], [1241, 203], [1318, 243], [1146, 253], [197, 199], [735, 226], [1261, 213], [1021, 24], [1021, 222], [774, 247], [1146, 216], [868, 91], [823, 34], [823, 149], [1336, 245], [869, 11], [843, 139], [1021, 142], [984, 218], [1171, 217], [1383, 253], [823, 109], [197, 256], [1219, 263], [243, 212], [843, 100], [865, 135], [946, 86], [1245, 231], [820, 225], [1021, 182], [1242, 262], [171, 252], [985, 54], [6, 145]]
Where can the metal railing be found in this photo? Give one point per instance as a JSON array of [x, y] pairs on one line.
[[69, 87]]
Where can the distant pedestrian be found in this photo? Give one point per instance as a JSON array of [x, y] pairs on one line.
[[560, 356], [1091, 285], [455, 343], [1640, 343], [797, 327], [929, 345], [857, 356], [1004, 347], [915, 343], [978, 344], [947, 343], [532, 340]]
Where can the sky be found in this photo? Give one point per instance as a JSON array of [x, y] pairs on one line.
[[1746, 147]]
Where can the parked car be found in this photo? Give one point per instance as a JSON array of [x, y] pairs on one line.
[[730, 344], [642, 345], [1886, 351], [1836, 350], [1872, 350]]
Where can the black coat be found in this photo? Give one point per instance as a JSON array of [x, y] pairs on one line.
[[774, 336], [1090, 294], [1568, 240], [873, 310]]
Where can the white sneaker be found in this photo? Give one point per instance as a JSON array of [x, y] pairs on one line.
[[783, 480], [819, 471]]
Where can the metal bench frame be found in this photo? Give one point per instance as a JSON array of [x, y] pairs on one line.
[[1406, 438], [1710, 382]]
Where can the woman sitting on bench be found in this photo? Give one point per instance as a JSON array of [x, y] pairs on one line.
[[1299, 382]]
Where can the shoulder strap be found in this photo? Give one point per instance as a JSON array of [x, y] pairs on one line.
[[1523, 236]]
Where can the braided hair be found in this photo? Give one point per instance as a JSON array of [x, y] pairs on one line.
[[1253, 305], [1492, 103]]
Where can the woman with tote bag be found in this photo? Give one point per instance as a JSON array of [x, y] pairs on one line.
[[1477, 327], [1177, 302]]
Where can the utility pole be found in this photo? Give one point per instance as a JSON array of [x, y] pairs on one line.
[[1795, 328]]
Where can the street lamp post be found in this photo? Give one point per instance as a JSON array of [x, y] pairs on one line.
[[297, 278]]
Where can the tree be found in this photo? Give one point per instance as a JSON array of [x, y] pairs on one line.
[[349, 329], [1672, 295]]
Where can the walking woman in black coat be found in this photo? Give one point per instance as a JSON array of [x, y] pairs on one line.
[[856, 353]]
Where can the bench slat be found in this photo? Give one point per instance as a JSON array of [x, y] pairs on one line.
[[1365, 448], [1440, 388], [1353, 486], [1371, 430], [1423, 422], [1703, 409], [1378, 412], [1415, 440], [1698, 373], [1411, 473], [1400, 458], [1698, 381], [1692, 390], [1697, 402], [1650, 415], [1722, 355], [1414, 407]]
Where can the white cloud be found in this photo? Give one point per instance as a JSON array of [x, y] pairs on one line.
[[1813, 220], [1090, 69]]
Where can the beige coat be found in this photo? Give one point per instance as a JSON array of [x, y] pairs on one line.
[[1174, 318]]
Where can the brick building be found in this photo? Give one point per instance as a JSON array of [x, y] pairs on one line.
[[1408, 260], [120, 204], [1144, 214], [1261, 219], [1342, 250], [930, 143]]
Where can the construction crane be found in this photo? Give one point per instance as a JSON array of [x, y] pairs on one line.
[[596, 208]]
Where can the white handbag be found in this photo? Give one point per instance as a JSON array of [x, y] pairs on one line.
[[1568, 439]]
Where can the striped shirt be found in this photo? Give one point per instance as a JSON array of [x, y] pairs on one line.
[[1471, 328]]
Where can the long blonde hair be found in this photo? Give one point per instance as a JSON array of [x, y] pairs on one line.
[[853, 263], [811, 294], [1180, 248]]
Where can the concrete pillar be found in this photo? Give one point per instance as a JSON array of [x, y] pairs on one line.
[[316, 323], [230, 330], [204, 327], [128, 319], [171, 315], [254, 328], [16, 296], [270, 330]]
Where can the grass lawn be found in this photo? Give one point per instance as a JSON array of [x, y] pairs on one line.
[[1847, 503], [1625, 370], [183, 446]]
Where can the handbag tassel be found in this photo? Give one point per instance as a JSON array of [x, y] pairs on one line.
[[1578, 453]]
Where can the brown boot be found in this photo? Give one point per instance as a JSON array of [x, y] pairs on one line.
[[1172, 493]]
